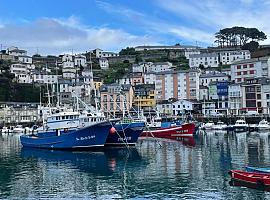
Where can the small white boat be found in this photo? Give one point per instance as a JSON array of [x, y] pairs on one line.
[[18, 129], [5, 130], [209, 125], [263, 125], [220, 126], [240, 125], [27, 130]]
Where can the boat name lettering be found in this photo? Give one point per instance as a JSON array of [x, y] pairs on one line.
[[124, 139], [182, 131], [85, 138]]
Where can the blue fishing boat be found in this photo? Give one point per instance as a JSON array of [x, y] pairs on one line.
[[125, 133], [77, 138], [257, 169]]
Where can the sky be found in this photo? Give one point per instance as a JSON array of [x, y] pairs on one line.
[[50, 27]]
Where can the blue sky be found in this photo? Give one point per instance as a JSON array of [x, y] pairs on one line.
[[58, 26]]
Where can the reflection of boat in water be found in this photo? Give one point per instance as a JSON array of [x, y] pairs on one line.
[[187, 141], [238, 183], [103, 161]]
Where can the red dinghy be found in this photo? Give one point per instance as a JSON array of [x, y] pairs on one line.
[[174, 133], [251, 177]]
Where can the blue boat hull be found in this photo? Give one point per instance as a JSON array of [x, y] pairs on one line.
[[258, 170], [125, 134], [88, 137]]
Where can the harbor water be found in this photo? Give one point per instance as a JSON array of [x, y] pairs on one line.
[[193, 168]]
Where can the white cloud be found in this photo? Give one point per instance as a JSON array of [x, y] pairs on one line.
[[213, 15], [54, 36], [156, 26]]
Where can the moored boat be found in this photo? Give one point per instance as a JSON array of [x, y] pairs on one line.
[[5, 130], [74, 138], [209, 125], [219, 126], [175, 132], [258, 169], [263, 125], [260, 179], [240, 126], [18, 129], [125, 133]]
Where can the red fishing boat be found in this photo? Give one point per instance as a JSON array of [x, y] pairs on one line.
[[175, 132], [259, 179]]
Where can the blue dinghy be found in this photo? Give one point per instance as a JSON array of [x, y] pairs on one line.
[[258, 169], [77, 138]]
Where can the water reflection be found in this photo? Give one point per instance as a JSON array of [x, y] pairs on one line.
[[191, 168]]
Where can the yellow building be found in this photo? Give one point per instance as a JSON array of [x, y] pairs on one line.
[[144, 96]]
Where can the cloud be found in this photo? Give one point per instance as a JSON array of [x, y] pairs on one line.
[[209, 15], [52, 36], [158, 26]]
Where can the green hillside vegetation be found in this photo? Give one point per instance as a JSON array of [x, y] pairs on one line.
[[12, 91], [115, 71]]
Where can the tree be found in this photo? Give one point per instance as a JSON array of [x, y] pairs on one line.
[[238, 36], [128, 51], [251, 46]]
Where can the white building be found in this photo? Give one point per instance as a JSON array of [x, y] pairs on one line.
[[149, 78], [252, 68], [99, 53], [164, 107], [21, 72], [192, 84], [182, 106], [45, 78], [69, 70], [80, 60], [103, 63], [208, 107], [204, 59], [68, 66], [161, 67], [235, 98], [213, 76], [266, 98], [15, 51], [228, 57], [142, 67], [204, 95], [25, 59]]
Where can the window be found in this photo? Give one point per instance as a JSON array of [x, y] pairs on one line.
[[244, 66], [244, 72], [238, 73], [251, 72], [238, 66], [251, 65], [267, 96], [259, 104]]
